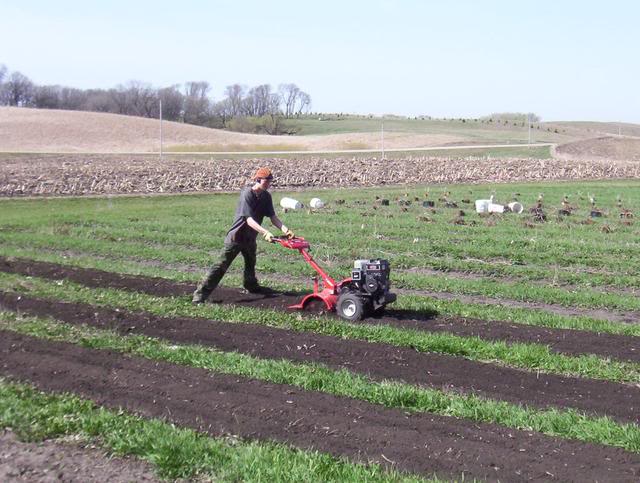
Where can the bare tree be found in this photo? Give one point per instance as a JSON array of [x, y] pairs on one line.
[[304, 103], [119, 100], [3, 90], [235, 94], [222, 112], [140, 99], [99, 100], [250, 103], [192, 105], [72, 99], [18, 90], [47, 97], [197, 104], [172, 102], [260, 101], [147, 101], [289, 94], [273, 104]]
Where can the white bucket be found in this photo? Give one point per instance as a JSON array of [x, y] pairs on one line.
[[496, 208], [516, 207], [316, 203], [482, 206], [291, 204]]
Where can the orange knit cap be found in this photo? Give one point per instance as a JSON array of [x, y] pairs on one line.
[[263, 173]]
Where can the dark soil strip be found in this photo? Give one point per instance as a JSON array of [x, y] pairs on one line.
[[378, 361], [219, 405], [560, 340], [564, 341]]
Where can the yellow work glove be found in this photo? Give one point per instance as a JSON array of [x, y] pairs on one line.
[[268, 236], [288, 233]]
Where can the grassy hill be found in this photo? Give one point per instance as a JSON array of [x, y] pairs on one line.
[[469, 128], [54, 131]]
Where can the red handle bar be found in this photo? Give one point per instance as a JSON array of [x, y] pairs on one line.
[[296, 243]]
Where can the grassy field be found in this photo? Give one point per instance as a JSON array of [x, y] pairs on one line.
[[414, 237], [473, 130], [569, 272], [533, 152]]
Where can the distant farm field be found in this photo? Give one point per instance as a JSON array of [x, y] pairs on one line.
[[510, 354], [53, 131]]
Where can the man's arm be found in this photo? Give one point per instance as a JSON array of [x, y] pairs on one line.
[[256, 226], [263, 231], [278, 224]]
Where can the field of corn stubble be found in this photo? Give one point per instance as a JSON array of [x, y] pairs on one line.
[[511, 353], [102, 174]]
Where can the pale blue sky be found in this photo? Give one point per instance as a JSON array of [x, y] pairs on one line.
[[564, 60]]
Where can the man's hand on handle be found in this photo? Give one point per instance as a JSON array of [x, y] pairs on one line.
[[288, 233], [268, 236]]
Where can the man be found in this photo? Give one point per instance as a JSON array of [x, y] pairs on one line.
[[255, 203]]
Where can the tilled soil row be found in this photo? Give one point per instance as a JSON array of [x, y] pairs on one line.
[[574, 342], [376, 360], [221, 405]]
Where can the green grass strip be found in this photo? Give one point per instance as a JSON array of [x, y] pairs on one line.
[[181, 246], [565, 423], [517, 315], [577, 296], [533, 357], [175, 452], [523, 292]]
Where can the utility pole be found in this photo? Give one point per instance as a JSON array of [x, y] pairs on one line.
[[160, 108], [529, 122], [382, 131]]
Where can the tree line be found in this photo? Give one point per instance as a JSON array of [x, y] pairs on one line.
[[256, 109]]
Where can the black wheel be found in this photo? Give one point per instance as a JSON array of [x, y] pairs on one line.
[[350, 306]]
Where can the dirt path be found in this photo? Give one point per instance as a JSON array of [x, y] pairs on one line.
[[56, 460], [378, 361], [220, 405], [559, 340]]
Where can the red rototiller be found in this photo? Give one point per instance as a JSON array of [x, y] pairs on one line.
[[363, 294]]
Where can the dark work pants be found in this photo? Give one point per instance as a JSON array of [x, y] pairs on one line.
[[217, 271]]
